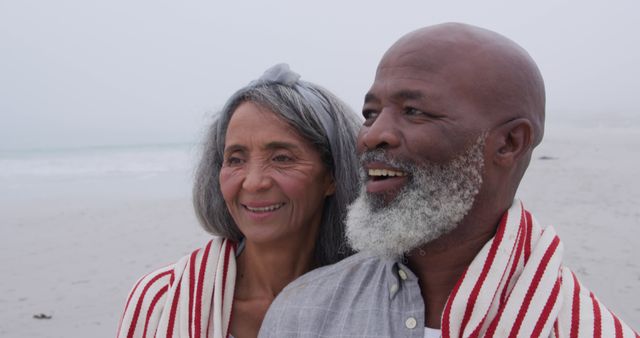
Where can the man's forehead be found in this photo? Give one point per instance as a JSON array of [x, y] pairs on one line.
[[408, 80], [396, 94], [417, 61], [410, 59]]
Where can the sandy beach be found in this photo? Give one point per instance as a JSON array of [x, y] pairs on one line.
[[74, 242]]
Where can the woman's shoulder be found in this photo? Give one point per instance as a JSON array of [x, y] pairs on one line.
[[144, 299], [213, 248], [151, 292]]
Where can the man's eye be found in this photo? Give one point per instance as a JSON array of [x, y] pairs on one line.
[[369, 114], [410, 111], [413, 111]]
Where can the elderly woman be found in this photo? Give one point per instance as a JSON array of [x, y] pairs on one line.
[[276, 176]]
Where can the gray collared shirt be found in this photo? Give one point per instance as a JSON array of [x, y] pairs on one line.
[[361, 296]]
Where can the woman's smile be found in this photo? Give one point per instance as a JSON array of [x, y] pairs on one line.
[[262, 212]]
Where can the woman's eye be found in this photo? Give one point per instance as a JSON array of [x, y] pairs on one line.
[[233, 160], [282, 158]]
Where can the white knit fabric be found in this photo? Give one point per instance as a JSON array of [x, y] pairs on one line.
[[192, 298]]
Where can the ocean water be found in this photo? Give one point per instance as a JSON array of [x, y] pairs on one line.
[[85, 175], [92, 162]]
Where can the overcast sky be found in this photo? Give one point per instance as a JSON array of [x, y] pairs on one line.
[[80, 72]]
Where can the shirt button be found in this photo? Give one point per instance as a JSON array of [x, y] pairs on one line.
[[393, 288], [411, 323], [403, 275]]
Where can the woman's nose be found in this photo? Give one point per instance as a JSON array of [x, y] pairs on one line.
[[257, 179]]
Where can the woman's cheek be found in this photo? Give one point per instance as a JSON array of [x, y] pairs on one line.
[[292, 183], [227, 183]]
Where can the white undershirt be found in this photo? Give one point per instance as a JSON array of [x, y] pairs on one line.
[[432, 333]]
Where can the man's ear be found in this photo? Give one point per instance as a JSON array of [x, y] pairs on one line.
[[513, 140]]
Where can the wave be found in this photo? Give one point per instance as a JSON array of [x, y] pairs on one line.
[[95, 162]]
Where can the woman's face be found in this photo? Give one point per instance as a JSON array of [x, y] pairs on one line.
[[272, 180]]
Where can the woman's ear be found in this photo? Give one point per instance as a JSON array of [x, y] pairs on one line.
[[513, 140], [331, 186]]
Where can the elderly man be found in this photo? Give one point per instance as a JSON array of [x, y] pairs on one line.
[[450, 123]]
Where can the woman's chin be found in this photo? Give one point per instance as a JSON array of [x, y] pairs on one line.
[[263, 235]]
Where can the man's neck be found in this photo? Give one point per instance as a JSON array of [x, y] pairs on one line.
[[440, 264]]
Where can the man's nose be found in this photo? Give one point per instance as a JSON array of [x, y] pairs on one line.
[[256, 179], [382, 133]]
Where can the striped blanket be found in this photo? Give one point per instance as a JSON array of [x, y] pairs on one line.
[[191, 298], [517, 287]]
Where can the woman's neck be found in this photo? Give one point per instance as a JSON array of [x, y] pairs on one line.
[[262, 273], [264, 270]]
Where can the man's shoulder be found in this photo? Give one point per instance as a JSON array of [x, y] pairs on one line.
[[333, 286], [350, 298], [349, 268]]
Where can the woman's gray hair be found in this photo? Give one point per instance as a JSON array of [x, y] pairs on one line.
[[320, 118]]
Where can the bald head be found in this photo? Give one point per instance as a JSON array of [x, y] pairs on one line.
[[495, 74]]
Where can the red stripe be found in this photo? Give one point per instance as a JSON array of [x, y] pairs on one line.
[[494, 323], [192, 272], [527, 247], [155, 300], [524, 239], [173, 311], [556, 330], [575, 308], [617, 325], [597, 317], [534, 285], [522, 230], [129, 300], [547, 309], [473, 297], [136, 313], [446, 317], [198, 310]]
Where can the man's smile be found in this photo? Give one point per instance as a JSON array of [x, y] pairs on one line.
[[376, 174], [384, 179]]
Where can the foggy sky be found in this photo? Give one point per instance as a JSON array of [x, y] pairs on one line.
[[82, 73]]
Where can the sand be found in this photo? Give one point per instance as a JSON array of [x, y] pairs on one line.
[[71, 248], [584, 183]]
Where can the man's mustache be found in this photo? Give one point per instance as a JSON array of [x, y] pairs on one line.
[[381, 156]]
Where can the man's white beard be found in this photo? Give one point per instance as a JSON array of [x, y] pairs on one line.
[[434, 201]]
